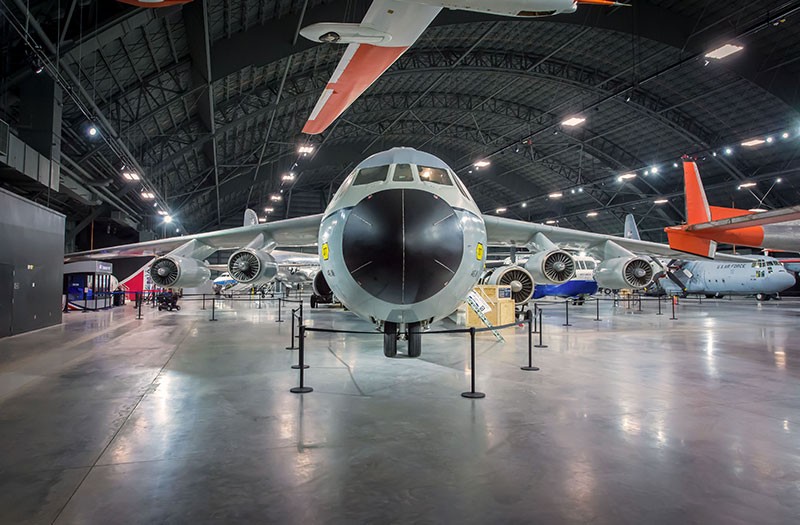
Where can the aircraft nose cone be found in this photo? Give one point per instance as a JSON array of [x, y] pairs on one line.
[[402, 246]]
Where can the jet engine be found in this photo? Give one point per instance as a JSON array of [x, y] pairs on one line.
[[250, 266], [623, 272], [518, 278], [321, 286], [551, 267], [173, 271]]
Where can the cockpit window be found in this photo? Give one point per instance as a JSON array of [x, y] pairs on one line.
[[370, 175], [462, 188], [402, 173], [435, 175]]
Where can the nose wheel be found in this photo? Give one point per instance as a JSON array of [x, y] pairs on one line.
[[414, 340], [391, 335], [390, 339]]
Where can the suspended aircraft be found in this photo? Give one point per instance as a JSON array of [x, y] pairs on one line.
[[388, 29], [764, 277], [706, 225], [401, 244]]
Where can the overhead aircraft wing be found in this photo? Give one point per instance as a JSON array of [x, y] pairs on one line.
[[301, 231], [506, 231], [746, 221], [389, 28]]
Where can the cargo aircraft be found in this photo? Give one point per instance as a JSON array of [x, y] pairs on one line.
[[388, 29], [401, 244], [761, 276]]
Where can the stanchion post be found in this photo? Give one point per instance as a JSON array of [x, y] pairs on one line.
[[640, 303], [139, 300], [673, 318], [291, 341], [597, 308], [213, 309], [472, 394], [279, 320], [659, 305], [566, 310], [302, 389], [530, 367], [541, 331], [535, 318], [204, 302]]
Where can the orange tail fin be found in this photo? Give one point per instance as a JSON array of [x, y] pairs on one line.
[[697, 209]]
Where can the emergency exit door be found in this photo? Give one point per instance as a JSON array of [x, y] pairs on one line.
[[6, 299]]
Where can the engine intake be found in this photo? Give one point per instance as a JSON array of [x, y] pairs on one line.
[[519, 279], [181, 272], [624, 272], [551, 267], [321, 286], [249, 266]]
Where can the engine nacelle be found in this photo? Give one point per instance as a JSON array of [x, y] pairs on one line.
[[623, 272], [179, 272], [321, 286], [551, 267], [518, 278], [249, 266]]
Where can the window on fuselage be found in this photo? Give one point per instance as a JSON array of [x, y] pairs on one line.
[[403, 173], [370, 175], [590, 265], [434, 175]]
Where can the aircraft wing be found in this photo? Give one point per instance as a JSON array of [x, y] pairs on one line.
[[302, 231], [508, 231], [746, 221], [389, 28]]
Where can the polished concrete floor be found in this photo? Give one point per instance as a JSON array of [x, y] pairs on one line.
[[175, 419]]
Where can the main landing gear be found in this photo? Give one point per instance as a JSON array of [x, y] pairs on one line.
[[391, 335]]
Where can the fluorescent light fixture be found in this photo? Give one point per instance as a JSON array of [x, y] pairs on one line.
[[168, 219], [551, 221], [262, 219], [779, 180], [92, 131], [753, 142], [501, 210], [177, 230], [580, 190], [130, 176], [275, 198], [148, 195], [305, 150], [556, 195], [728, 151], [269, 210], [592, 214], [785, 135], [724, 51], [674, 164], [288, 177], [661, 201], [747, 185], [162, 212], [573, 121], [647, 172], [654, 170], [482, 164], [757, 210], [627, 176], [770, 140]]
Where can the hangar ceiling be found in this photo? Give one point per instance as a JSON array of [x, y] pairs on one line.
[[206, 103]]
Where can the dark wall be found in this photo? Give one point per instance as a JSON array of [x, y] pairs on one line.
[[32, 254]]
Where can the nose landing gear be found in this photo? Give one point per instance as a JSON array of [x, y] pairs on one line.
[[391, 335]]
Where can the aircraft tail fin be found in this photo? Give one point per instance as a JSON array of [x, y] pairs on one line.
[[697, 208], [631, 231], [250, 217]]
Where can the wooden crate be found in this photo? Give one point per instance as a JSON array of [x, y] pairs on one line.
[[501, 303]]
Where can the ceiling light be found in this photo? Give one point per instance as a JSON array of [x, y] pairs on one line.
[[262, 219], [148, 195], [501, 210], [627, 176], [647, 172], [551, 222], [482, 164], [275, 198], [177, 230], [753, 142], [556, 195], [778, 180], [168, 219], [728, 151], [305, 150], [714, 154], [524, 204], [757, 210], [130, 176], [654, 170], [572, 191], [770, 140], [269, 210], [573, 121], [674, 164], [162, 212], [661, 201], [724, 51], [288, 177], [747, 185], [592, 214], [580, 190], [92, 131]]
